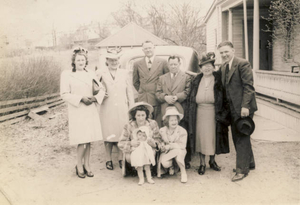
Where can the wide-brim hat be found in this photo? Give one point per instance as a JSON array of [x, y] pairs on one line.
[[172, 110], [245, 125], [135, 105], [207, 58]]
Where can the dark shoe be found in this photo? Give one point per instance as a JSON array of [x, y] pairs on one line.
[[134, 173], [109, 165], [187, 165], [89, 174], [80, 175], [250, 168], [201, 169], [214, 166], [120, 163], [238, 177]]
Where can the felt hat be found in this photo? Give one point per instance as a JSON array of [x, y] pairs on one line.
[[207, 58], [113, 53], [245, 125], [172, 110]]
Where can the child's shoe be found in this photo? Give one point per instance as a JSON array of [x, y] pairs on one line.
[[183, 177], [150, 181], [141, 182], [171, 171]]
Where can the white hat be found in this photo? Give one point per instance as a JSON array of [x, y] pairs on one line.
[[172, 110], [144, 129], [113, 53], [148, 107]]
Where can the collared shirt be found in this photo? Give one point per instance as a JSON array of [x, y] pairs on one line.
[[230, 62], [147, 60], [173, 75]]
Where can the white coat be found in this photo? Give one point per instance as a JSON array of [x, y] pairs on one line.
[[84, 121], [114, 109]]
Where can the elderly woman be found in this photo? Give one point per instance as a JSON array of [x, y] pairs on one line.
[[79, 89], [139, 115], [114, 109], [173, 146], [208, 111]]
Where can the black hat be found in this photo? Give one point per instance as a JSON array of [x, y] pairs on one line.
[[245, 125], [207, 58]]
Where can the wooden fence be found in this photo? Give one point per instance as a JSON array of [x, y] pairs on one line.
[[13, 111]]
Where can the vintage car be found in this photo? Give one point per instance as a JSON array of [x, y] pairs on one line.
[[188, 57]]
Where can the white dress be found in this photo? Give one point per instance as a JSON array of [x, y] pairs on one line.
[[84, 121]]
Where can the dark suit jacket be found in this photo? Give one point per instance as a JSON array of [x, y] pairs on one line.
[[180, 88], [145, 81], [240, 85]]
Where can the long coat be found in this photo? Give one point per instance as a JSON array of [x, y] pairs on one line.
[[84, 121], [180, 87], [240, 86], [221, 114], [145, 81], [114, 109]]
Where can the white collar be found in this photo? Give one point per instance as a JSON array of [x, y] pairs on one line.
[[230, 62]]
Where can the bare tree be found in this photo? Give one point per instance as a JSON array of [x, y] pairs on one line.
[[157, 18], [128, 13], [102, 30]]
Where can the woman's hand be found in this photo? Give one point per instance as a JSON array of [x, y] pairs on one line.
[[135, 143], [93, 99], [151, 143], [86, 101]]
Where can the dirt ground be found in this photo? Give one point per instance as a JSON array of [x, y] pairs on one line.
[[37, 167]]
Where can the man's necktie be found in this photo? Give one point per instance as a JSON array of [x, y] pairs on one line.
[[149, 64], [226, 72]]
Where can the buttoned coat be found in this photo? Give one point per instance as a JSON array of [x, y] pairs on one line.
[[145, 81], [180, 87], [114, 109], [240, 85], [84, 121]]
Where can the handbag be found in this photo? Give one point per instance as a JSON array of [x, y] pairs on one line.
[[96, 87]]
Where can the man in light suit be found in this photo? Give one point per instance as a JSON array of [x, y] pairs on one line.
[[145, 77], [237, 78], [173, 89]]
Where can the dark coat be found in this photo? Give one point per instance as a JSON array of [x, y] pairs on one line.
[[221, 114]]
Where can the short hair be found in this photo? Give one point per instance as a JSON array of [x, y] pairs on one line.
[[225, 43], [174, 57], [147, 42], [139, 108], [166, 120]]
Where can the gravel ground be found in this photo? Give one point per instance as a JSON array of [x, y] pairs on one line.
[[38, 167]]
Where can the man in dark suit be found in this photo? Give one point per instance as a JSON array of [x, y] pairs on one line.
[[173, 89], [145, 77], [237, 78]]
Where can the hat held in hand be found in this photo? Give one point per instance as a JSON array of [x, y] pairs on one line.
[[245, 125]]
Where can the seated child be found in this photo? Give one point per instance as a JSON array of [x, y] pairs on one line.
[[143, 155], [173, 147]]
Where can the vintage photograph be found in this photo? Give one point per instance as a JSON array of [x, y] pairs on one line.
[[149, 102]]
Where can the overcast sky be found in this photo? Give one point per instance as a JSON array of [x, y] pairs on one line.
[[34, 18]]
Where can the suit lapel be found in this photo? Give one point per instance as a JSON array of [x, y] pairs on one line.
[[144, 67], [154, 66], [83, 80], [223, 70], [178, 80], [168, 81], [232, 69]]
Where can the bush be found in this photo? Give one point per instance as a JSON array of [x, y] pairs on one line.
[[28, 77]]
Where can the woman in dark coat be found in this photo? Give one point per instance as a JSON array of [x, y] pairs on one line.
[[207, 114]]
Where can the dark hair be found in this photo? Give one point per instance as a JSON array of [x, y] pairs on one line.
[[225, 43], [139, 108], [174, 57], [166, 120], [147, 42], [79, 51]]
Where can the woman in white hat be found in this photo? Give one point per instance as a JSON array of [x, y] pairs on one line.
[[114, 109], [139, 115], [174, 144]]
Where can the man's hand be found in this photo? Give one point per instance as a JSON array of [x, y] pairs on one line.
[[86, 101], [169, 99], [135, 143], [244, 112]]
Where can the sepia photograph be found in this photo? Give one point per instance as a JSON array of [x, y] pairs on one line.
[[149, 102]]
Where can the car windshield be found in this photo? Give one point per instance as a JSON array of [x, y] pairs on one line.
[[131, 62]]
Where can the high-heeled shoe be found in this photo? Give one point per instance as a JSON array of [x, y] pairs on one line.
[[109, 165], [214, 166], [80, 175], [89, 174], [201, 169], [120, 163]]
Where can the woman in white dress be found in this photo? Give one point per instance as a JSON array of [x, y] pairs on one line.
[[82, 92], [114, 109]]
